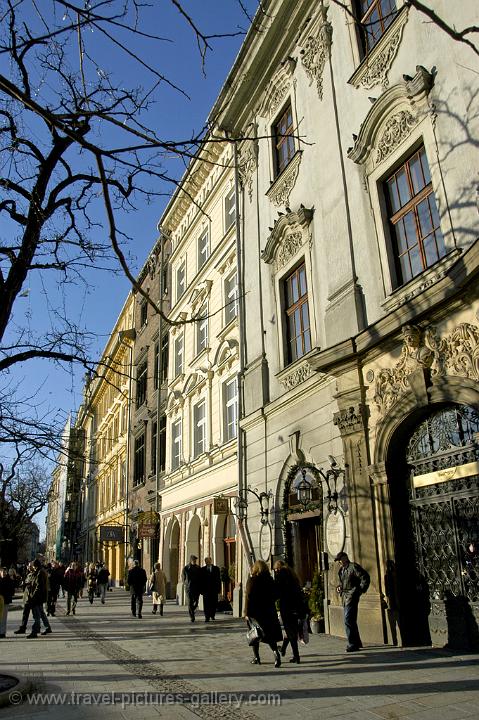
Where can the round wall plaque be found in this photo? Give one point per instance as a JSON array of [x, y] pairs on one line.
[[335, 532], [265, 542]]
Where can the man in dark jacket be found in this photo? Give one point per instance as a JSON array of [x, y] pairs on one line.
[[192, 581], [353, 582], [37, 595], [137, 583], [210, 588]]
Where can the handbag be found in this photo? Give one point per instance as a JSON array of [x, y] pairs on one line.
[[255, 633]]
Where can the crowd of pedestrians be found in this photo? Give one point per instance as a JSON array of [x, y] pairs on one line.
[[275, 608]]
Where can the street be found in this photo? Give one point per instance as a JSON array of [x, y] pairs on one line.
[[104, 663]]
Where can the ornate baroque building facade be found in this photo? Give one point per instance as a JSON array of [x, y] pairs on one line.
[[359, 229]]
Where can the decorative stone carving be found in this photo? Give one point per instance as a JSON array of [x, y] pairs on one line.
[[393, 110], [349, 420], [280, 190], [278, 88], [247, 165], [456, 354], [391, 383], [298, 376], [289, 234], [289, 247], [395, 131], [200, 295], [316, 50]]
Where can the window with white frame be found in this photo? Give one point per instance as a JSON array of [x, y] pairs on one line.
[[203, 247], [230, 408], [284, 146], [176, 444], [416, 238], [199, 430], [180, 279], [179, 355], [231, 297], [202, 329], [230, 209], [296, 308]]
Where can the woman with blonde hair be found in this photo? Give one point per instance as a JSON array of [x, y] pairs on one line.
[[260, 608]]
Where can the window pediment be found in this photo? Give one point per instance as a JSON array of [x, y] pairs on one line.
[[200, 294], [278, 88], [391, 118], [289, 234]]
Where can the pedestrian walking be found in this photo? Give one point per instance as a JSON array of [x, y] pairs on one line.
[[291, 606], [210, 588], [37, 596], [91, 581], [137, 584], [102, 581], [55, 578], [72, 583], [192, 583], [353, 582], [260, 608], [7, 591], [157, 583], [27, 580]]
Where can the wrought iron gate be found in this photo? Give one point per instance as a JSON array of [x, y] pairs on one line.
[[444, 504]]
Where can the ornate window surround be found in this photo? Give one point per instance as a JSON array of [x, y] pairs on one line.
[[288, 245], [399, 122], [373, 69]]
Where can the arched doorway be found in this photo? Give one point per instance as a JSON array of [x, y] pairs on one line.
[[433, 471], [228, 571], [171, 554], [303, 524]]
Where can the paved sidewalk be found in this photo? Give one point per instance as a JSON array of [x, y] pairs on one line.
[[103, 663]]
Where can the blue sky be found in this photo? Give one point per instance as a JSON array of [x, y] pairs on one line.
[[174, 117]]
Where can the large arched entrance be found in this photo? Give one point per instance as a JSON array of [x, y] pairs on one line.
[[433, 472]]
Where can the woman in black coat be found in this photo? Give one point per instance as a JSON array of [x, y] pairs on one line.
[[291, 605], [260, 607]]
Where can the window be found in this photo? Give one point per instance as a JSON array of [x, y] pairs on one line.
[[298, 332], [231, 298], [374, 18], [157, 365], [139, 468], [230, 209], [141, 383], [154, 440], [176, 445], [283, 140], [162, 441], [203, 248], [143, 313], [202, 329], [164, 358], [199, 419], [180, 279], [230, 402], [414, 220], [179, 355]]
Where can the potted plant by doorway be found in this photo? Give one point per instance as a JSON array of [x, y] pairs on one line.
[[316, 603]]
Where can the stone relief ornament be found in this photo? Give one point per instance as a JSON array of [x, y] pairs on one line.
[[349, 420], [247, 165], [455, 354], [377, 71], [316, 50], [289, 247], [281, 189], [395, 131], [298, 376], [278, 88]]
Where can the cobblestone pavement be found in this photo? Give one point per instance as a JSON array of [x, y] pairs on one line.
[[105, 663]]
